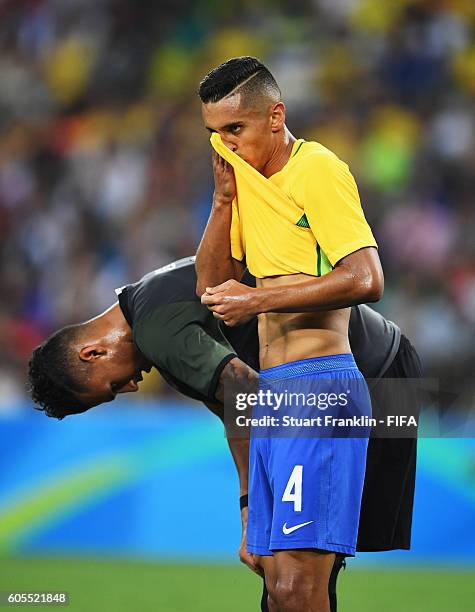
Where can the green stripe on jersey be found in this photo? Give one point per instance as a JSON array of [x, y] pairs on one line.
[[303, 221], [298, 148], [323, 264]]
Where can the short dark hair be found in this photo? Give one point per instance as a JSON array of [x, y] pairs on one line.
[[55, 375], [222, 80]]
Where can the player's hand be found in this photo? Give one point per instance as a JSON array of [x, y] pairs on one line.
[[246, 557], [232, 302], [224, 181]]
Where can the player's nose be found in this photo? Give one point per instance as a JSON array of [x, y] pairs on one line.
[[230, 145]]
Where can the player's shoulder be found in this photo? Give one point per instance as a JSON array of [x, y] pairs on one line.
[[170, 284], [314, 166], [177, 273], [314, 157], [314, 148]]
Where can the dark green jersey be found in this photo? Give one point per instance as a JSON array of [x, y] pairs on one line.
[[175, 331]]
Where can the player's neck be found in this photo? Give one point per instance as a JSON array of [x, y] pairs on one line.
[[112, 318], [281, 154]]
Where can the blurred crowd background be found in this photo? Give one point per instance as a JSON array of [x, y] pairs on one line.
[[105, 175], [105, 164]]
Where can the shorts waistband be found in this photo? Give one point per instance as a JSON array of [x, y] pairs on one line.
[[327, 363]]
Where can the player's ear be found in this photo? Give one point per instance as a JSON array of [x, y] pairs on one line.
[[91, 352], [277, 116]]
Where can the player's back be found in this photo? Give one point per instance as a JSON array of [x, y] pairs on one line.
[[169, 284], [173, 330]]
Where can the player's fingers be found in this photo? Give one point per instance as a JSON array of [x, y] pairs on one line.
[[248, 560], [245, 558], [257, 566], [253, 569], [219, 167], [213, 290], [210, 300], [219, 160], [257, 570], [219, 309], [218, 288]]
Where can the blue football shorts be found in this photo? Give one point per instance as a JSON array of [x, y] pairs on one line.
[[306, 474]]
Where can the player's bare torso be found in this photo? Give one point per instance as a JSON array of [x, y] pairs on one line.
[[286, 337]]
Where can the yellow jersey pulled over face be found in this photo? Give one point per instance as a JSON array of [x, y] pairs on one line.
[[302, 219]]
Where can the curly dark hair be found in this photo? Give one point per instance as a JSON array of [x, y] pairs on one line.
[[55, 375]]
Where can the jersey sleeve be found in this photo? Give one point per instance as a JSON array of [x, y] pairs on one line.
[[333, 209], [237, 247], [180, 346]]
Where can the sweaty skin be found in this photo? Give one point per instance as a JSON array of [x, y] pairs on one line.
[[286, 337], [238, 374]]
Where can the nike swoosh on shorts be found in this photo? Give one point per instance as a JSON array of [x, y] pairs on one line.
[[286, 530]]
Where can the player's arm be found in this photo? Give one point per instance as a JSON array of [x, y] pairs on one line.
[[238, 376], [356, 279], [239, 447], [214, 261], [176, 342]]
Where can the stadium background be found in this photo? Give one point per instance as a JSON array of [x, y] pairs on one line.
[[105, 175]]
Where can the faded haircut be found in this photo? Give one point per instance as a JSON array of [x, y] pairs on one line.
[[246, 74]]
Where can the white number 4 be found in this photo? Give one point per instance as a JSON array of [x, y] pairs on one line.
[[293, 490]]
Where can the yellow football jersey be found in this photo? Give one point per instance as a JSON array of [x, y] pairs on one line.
[[304, 218]]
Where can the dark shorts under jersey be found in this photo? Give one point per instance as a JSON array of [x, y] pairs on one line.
[[175, 331], [388, 493]]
